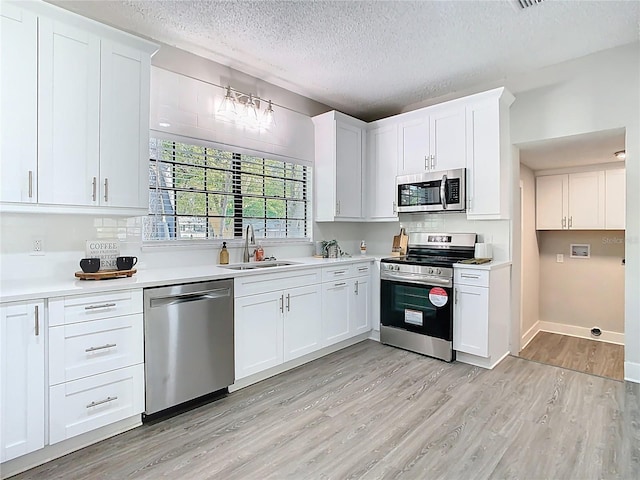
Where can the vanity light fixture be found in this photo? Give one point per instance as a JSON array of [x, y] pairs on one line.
[[244, 109], [621, 155]]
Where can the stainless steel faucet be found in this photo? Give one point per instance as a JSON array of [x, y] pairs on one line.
[[246, 255]]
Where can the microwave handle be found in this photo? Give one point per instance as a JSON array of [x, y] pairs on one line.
[[443, 191]]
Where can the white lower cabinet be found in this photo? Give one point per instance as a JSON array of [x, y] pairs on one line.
[[258, 333], [96, 361], [481, 314], [278, 325], [22, 378], [345, 302], [302, 317]]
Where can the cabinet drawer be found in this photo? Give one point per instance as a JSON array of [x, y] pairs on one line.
[[82, 308], [468, 276], [336, 272], [82, 349], [89, 403], [262, 283], [360, 269]]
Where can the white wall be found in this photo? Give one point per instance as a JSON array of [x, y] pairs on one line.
[[593, 93], [530, 257]]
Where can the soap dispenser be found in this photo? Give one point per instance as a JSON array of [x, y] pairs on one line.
[[224, 254]]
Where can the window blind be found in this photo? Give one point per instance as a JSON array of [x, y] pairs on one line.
[[201, 191]]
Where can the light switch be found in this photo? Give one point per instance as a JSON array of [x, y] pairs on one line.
[[560, 258]]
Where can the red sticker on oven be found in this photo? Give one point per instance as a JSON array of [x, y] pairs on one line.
[[438, 296]]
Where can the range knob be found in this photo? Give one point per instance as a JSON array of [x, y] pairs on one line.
[[397, 267], [430, 270], [438, 271]]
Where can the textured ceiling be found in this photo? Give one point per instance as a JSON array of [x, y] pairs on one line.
[[372, 58]]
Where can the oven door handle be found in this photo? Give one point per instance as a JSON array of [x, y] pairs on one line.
[[418, 279]]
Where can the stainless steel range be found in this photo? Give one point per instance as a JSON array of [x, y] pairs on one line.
[[416, 293]]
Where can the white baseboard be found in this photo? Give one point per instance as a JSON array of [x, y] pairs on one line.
[[529, 334], [375, 335], [632, 372], [581, 332]]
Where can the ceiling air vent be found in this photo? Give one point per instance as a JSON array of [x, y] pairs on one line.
[[521, 4]]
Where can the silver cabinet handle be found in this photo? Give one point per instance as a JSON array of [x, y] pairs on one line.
[[395, 207], [106, 189], [104, 305], [426, 162], [93, 349], [100, 402], [570, 221], [37, 319], [363, 269], [288, 302], [433, 162], [564, 222], [356, 290], [93, 188], [464, 275], [30, 183], [282, 303], [340, 272], [341, 284]]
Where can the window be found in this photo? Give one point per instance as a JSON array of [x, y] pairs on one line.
[[202, 192]]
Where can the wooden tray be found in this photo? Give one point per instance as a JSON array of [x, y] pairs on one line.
[[105, 274]]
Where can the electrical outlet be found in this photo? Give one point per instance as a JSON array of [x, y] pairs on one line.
[[37, 247], [560, 258]]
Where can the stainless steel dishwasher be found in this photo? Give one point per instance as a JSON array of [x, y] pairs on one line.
[[188, 335]]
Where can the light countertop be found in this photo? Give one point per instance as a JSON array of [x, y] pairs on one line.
[[493, 265], [152, 277]]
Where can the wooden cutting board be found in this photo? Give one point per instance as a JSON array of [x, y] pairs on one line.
[[400, 243], [105, 274]]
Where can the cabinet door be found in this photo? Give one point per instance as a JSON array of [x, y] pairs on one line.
[[19, 112], [586, 200], [552, 197], [69, 114], [258, 333], [615, 199], [22, 381], [484, 162], [415, 146], [124, 126], [447, 133], [471, 320], [381, 190], [359, 308], [348, 170], [302, 321], [335, 311]]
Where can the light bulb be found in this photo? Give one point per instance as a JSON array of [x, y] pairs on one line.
[[228, 106], [268, 120]]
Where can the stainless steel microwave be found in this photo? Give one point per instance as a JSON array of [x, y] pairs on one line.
[[443, 191]]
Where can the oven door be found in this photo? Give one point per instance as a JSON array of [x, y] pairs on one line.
[[424, 309]]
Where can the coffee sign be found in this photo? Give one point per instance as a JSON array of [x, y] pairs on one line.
[[106, 250]]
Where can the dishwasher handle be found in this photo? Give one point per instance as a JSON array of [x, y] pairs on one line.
[[190, 297]]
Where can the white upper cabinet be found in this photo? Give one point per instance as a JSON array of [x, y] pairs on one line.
[[586, 201], [382, 166], [69, 114], [19, 111], [78, 96], [124, 126], [577, 201], [615, 198], [433, 141], [339, 149], [488, 155]]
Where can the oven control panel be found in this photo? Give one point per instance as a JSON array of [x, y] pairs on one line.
[[428, 270]]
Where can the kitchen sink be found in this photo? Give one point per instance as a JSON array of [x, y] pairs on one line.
[[252, 266]]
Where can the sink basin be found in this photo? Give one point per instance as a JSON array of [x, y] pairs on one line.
[[273, 264], [252, 266]]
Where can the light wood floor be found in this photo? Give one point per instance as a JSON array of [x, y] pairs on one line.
[[581, 354], [372, 411]]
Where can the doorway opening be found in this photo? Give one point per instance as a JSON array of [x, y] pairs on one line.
[[573, 241]]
